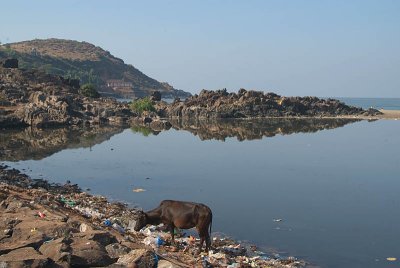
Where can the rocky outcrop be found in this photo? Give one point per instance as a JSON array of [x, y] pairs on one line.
[[253, 104], [37, 99]]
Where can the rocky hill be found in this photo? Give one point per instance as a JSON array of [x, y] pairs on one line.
[[89, 63]]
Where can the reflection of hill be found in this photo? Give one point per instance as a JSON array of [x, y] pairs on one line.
[[256, 129], [31, 143]]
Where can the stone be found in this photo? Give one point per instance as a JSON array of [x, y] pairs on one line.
[[155, 96], [23, 257], [102, 237], [56, 250], [117, 250], [88, 253], [166, 264], [143, 258], [10, 63]]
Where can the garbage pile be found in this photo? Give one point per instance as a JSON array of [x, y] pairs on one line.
[[184, 251]]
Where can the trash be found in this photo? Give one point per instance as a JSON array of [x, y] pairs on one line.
[[217, 255], [83, 227], [159, 241], [131, 225], [138, 190], [33, 230], [107, 222], [278, 220], [148, 240], [191, 239], [119, 228], [391, 259], [70, 203], [147, 231], [41, 215]]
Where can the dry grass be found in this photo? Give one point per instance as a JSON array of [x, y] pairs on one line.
[[59, 48]]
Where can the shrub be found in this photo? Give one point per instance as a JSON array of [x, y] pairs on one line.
[[142, 105], [89, 90], [145, 131]]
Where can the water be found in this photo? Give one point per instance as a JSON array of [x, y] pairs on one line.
[[337, 190], [377, 103]]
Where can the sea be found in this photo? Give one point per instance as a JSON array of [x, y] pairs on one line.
[[323, 190]]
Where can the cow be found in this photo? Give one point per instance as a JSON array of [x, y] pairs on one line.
[[180, 214]]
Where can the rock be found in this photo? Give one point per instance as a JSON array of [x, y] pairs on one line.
[[10, 63], [156, 96], [143, 258], [253, 104], [84, 228], [57, 250], [88, 253], [23, 257], [102, 237], [116, 250], [166, 264]]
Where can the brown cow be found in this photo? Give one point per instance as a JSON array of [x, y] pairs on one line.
[[180, 214]]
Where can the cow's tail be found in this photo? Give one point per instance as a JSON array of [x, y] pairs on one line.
[[211, 216]]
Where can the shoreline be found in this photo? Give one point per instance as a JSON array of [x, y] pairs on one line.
[[51, 224]]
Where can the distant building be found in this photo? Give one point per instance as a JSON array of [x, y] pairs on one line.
[[121, 87], [114, 83]]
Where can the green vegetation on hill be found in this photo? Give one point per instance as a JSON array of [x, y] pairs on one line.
[[83, 61], [89, 90]]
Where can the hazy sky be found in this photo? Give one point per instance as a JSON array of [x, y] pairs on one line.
[[298, 47]]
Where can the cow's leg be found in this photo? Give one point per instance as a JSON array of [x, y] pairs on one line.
[[202, 236], [172, 229], [208, 242]]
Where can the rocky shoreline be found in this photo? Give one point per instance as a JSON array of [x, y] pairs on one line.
[[257, 104], [33, 98], [51, 225]]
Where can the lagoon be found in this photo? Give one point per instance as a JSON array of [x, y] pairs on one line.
[[335, 188]]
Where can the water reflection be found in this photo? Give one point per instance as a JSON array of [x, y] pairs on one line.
[[256, 129], [33, 143]]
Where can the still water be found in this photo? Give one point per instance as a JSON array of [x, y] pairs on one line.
[[337, 190]]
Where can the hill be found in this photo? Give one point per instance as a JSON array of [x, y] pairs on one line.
[[89, 64]]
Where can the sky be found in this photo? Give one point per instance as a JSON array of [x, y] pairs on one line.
[[335, 48]]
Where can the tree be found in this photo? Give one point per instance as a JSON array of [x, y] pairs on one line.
[[89, 90]]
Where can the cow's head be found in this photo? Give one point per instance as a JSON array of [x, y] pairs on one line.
[[141, 221]]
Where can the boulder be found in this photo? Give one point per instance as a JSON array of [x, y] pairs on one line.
[[57, 250], [166, 264], [23, 257], [10, 63], [142, 258], [117, 250], [88, 253], [155, 96]]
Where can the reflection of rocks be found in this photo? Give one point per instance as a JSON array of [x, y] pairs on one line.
[[256, 129], [32, 143]]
